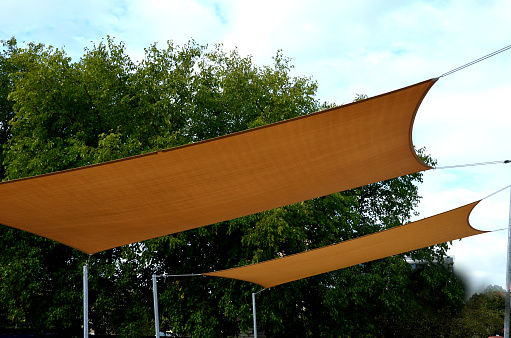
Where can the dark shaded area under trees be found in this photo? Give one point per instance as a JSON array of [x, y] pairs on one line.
[[57, 114]]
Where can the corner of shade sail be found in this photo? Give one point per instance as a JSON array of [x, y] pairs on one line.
[[431, 82], [472, 207]]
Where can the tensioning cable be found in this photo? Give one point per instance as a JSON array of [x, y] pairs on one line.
[[476, 61], [473, 164]]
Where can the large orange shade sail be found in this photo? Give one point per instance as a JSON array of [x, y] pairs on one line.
[[441, 228], [108, 205]]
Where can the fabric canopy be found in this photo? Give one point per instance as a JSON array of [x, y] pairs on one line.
[[103, 206], [441, 228]]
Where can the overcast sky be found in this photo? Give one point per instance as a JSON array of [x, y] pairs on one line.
[[348, 47]]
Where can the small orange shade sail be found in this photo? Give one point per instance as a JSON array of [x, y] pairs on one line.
[[103, 206], [438, 229]]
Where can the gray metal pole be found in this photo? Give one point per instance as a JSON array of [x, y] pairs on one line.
[[85, 301], [508, 276], [254, 313], [156, 315]]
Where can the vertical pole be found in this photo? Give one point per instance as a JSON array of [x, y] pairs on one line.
[[254, 314], [508, 276], [85, 301], [156, 315]]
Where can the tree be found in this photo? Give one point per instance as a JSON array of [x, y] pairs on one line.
[[483, 314], [66, 114], [434, 301], [6, 106]]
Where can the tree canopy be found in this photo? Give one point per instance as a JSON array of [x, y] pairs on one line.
[[483, 314], [56, 113]]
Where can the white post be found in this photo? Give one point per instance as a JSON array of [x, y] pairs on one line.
[[254, 314], [85, 301], [156, 315], [508, 276]]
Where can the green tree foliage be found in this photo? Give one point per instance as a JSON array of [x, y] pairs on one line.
[[6, 105], [434, 301], [483, 314], [58, 114]]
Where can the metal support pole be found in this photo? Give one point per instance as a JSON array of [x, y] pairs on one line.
[[155, 298], [156, 315], [85, 301], [254, 313], [508, 276]]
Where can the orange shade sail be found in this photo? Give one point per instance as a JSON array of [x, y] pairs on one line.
[[438, 229], [103, 206]]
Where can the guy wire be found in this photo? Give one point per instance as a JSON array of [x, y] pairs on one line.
[[473, 164], [476, 61], [496, 192]]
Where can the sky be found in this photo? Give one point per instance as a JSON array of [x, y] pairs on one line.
[[348, 48]]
